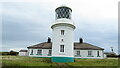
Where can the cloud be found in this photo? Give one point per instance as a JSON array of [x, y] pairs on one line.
[[18, 49], [27, 23]]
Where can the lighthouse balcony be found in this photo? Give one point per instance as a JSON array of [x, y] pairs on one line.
[[65, 20]]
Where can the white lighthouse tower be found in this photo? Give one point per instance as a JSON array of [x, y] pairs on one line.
[[63, 36]]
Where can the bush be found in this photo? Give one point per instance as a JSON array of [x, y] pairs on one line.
[[112, 55], [13, 53], [9, 53]]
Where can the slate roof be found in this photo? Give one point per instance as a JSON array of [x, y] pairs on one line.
[[77, 45], [23, 51]]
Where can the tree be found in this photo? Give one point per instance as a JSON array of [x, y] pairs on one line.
[[13, 52]]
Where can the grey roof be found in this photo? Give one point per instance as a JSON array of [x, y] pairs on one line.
[[23, 51], [86, 46], [77, 45], [44, 45]]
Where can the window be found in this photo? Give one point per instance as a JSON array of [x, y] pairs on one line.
[[62, 40], [50, 51], [78, 52], [39, 52], [31, 52], [98, 53], [89, 53], [61, 48], [62, 32]]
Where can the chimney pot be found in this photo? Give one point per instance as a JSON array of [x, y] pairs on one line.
[[49, 40], [81, 40]]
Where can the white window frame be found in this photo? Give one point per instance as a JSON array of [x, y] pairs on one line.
[[89, 53], [62, 32], [31, 52], [98, 53], [62, 48], [39, 51], [50, 52], [77, 52]]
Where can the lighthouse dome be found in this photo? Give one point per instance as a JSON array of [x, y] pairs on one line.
[[63, 12], [63, 17]]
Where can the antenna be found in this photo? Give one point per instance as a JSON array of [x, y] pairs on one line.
[[111, 49], [63, 2], [63, 5]]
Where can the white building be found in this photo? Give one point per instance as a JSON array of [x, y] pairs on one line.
[[63, 48], [23, 53]]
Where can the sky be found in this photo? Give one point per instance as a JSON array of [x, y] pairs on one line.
[[28, 22]]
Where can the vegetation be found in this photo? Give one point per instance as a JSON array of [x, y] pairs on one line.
[[95, 62], [25, 61], [32, 61], [9, 53]]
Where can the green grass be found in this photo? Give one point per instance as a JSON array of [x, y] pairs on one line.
[[94, 62], [26, 61], [32, 61]]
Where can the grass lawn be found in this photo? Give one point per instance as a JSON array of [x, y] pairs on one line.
[[32, 61], [94, 62], [25, 61]]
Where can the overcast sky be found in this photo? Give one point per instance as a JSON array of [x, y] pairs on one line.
[[26, 23]]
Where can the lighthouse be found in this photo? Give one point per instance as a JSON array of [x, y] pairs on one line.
[[63, 36]]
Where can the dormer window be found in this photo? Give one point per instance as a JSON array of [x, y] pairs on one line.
[[62, 32]]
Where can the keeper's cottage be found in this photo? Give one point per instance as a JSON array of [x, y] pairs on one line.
[[63, 48]]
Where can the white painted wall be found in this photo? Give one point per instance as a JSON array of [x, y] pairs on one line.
[[105, 56], [84, 53], [44, 53], [23, 54], [68, 41]]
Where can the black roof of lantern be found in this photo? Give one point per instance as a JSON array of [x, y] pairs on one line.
[[63, 7]]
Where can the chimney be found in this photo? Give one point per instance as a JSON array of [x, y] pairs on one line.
[[80, 40], [49, 40]]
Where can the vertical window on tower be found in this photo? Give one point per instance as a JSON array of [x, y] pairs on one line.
[[62, 32], [62, 40], [61, 48]]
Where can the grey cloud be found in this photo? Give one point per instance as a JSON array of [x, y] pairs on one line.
[[26, 24]]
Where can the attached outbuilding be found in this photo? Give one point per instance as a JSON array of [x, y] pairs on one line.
[[23, 53]]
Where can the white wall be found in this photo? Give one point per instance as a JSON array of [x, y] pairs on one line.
[[68, 41], [23, 54], [105, 56], [44, 52], [84, 54]]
